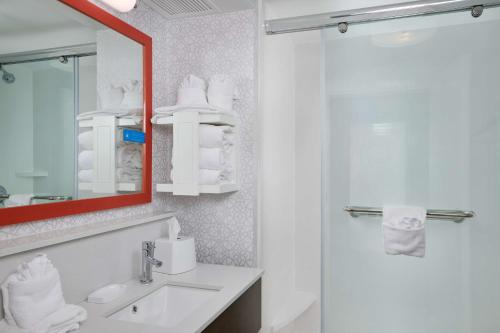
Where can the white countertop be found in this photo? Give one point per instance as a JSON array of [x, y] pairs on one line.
[[233, 281]]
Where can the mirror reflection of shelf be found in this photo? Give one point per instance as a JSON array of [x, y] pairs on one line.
[[106, 138], [32, 174], [187, 148]]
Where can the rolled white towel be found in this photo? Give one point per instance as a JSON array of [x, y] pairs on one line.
[[33, 300], [211, 136], [221, 91], [212, 177], [86, 140], [86, 176], [86, 160], [214, 159], [133, 94], [129, 156], [128, 174]]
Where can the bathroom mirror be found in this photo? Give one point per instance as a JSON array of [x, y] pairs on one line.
[[75, 104]]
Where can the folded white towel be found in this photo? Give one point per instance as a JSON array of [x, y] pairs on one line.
[[86, 140], [86, 176], [192, 91], [18, 200], [129, 155], [110, 97], [118, 112], [192, 81], [133, 96], [128, 175], [33, 300], [221, 91], [86, 160], [214, 159], [211, 136], [403, 229]]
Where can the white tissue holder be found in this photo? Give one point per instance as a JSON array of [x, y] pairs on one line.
[[177, 256]]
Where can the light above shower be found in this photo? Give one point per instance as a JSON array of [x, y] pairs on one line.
[[121, 5], [6, 76]]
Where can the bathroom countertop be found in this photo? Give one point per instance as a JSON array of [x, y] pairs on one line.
[[233, 281]]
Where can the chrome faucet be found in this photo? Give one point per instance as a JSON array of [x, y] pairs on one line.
[[148, 261]]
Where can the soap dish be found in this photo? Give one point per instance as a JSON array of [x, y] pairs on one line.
[[107, 294]]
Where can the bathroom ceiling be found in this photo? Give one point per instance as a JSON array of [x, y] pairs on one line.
[[186, 8]]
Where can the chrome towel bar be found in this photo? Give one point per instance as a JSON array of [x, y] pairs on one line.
[[435, 214]]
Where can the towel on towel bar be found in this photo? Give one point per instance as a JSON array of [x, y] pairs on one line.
[[403, 229], [33, 300]]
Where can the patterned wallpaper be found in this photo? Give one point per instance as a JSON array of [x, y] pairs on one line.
[[224, 225]]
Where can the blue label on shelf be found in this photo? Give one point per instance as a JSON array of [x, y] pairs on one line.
[[133, 136]]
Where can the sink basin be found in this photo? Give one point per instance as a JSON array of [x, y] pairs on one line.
[[166, 307]]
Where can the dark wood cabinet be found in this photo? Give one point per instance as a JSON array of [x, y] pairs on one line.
[[243, 316]]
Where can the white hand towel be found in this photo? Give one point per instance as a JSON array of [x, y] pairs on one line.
[[221, 91], [211, 136], [86, 160], [403, 229], [86, 140], [214, 159], [192, 91], [33, 300], [129, 156]]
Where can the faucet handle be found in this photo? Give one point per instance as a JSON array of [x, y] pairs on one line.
[[148, 246]]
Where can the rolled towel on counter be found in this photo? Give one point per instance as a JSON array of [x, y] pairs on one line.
[[128, 175], [86, 160], [86, 140], [211, 136], [214, 159], [33, 300], [129, 156], [86, 176]]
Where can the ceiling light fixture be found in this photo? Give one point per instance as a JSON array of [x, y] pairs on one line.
[[121, 5]]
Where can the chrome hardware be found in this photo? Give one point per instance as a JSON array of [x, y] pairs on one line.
[[3, 194], [148, 261], [343, 26], [134, 309], [477, 11], [436, 214]]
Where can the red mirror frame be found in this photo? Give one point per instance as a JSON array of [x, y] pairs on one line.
[[14, 215]]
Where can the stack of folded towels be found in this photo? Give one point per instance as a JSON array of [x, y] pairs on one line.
[[33, 301], [194, 95], [128, 160], [215, 158]]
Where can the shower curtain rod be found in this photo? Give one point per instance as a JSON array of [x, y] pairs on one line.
[[342, 19], [80, 50]]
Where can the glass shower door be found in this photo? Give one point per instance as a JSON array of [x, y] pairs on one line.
[[412, 112]]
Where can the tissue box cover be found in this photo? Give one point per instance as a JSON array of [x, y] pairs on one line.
[[177, 256]]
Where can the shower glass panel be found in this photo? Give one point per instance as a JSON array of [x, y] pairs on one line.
[[37, 116], [412, 116]]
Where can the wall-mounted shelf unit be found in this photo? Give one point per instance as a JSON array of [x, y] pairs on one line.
[[186, 149], [105, 131]]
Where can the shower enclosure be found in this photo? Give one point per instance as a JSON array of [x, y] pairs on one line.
[[411, 116], [412, 109]]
